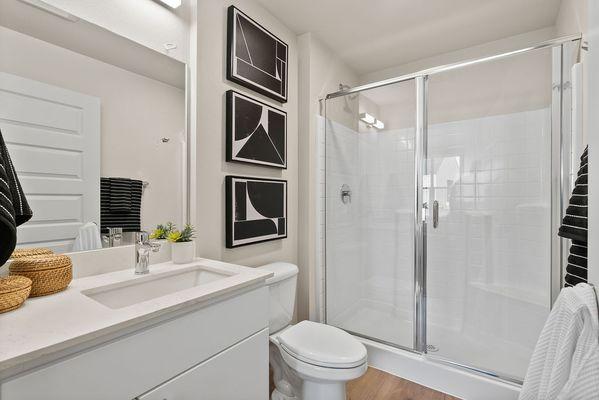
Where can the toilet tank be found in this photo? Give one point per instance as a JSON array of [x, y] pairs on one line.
[[281, 287]]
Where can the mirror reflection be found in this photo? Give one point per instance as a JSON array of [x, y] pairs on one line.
[[96, 146]]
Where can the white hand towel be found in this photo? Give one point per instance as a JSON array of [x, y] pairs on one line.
[[566, 357], [88, 238]]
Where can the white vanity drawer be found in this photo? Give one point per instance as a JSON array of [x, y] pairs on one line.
[[134, 364], [238, 373]]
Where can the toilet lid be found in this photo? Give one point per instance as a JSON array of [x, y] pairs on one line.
[[323, 345]]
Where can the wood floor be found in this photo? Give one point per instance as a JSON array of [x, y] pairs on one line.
[[379, 385]]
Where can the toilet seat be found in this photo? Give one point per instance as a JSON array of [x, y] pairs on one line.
[[322, 346], [322, 374]]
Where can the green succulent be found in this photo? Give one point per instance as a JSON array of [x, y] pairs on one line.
[[185, 235], [163, 231]]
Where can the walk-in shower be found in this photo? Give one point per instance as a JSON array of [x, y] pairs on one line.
[[439, 225]]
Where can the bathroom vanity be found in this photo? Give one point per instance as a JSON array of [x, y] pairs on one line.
[[175, 332]]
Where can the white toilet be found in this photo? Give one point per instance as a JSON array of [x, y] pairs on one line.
[[311, 361]]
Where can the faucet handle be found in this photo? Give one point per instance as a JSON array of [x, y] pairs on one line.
[[142, 237], [155, 246]]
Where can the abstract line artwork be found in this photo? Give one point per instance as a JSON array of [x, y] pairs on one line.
[[256, 210], [256, 58], [256, 132]]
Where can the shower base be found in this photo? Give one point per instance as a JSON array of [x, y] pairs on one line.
[[386, 323]]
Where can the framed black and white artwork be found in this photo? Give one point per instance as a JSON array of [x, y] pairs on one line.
[[256, 210], [256, 132], [256, 58]]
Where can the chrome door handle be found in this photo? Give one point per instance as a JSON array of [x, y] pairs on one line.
[[435, 214]]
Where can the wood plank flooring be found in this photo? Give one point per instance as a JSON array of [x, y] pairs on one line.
[[379, 385]]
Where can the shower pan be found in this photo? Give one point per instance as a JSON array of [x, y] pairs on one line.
[[439, 230]]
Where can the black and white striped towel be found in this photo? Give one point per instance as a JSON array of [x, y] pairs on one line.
[[14, 209], [120, 204], [575, 225]]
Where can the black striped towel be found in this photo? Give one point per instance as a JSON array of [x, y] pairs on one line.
[[120, 204], [14, 209], [575, 224]]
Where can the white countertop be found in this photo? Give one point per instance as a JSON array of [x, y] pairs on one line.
[[45, 327]]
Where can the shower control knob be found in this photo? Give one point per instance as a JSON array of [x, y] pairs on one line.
[[345, 193]]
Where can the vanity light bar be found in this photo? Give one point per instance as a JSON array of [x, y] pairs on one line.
[[379, 124], [171, 3], [367, 118], [371, 121]]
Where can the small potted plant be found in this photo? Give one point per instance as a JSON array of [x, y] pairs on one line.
[[182, 245], [160, 234]]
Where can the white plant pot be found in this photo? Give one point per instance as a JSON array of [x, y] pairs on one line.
[[163, 254], [183, 252]]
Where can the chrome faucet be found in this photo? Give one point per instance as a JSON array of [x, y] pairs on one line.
[[143, 246]]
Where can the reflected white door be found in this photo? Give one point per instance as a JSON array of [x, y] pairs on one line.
[[53, 137]]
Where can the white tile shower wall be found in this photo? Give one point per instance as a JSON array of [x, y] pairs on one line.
[[369, 242], [490, 255], [343, 239], [386, 197]]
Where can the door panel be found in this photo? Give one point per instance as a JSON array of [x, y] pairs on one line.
[[489, 170], [369, 142]]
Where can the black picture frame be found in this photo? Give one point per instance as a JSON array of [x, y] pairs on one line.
[[242, 226], [257, 73], [251, 138]]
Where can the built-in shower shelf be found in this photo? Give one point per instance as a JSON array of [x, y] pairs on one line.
[[538, 299]]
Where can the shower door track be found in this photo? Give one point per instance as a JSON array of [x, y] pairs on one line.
[[449, 67], [559, 184]]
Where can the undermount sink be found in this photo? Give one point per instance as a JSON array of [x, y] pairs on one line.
[[123, 294]]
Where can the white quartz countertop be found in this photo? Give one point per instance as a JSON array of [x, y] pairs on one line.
[[45, 327]]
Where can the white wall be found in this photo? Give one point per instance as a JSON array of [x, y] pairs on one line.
[[211, 165], [592, 89], [320, 72], [136, 112], [482, 50], [572, 17], [143, 21]]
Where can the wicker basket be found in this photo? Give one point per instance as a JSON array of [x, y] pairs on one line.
[[29, 252], [14, 290], [50, 274]]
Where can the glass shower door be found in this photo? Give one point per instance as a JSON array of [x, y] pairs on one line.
[[368, 185], [488, 181]]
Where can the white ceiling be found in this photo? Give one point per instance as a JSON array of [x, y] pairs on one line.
[[370, 35]]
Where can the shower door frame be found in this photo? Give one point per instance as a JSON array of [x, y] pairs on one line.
[[563, 49]]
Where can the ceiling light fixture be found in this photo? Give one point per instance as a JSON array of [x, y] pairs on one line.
[[171, 3], [379, 124]]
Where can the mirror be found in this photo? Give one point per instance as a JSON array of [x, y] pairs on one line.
[[95, 125]]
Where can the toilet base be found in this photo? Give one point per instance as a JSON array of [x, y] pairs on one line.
[[322, 390], [276, 395], [314, 391], [288, 386]]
